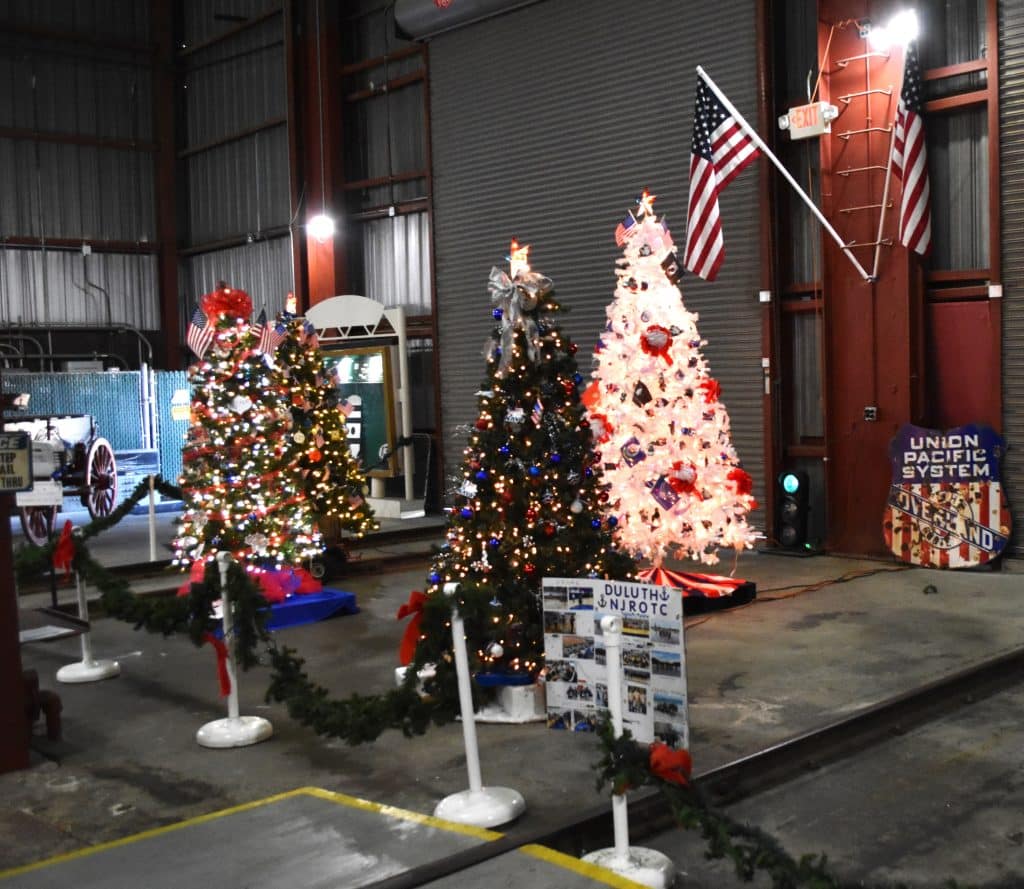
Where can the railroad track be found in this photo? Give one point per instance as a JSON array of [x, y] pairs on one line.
[[749, 775]]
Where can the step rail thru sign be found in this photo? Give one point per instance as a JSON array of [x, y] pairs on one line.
[[654, 705], [15, 462]]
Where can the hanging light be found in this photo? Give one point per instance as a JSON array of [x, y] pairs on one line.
[[900, 30], [321, 227]]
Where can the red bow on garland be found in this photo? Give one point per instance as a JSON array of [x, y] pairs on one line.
[[223, 677], [674, 766], [64, 552], [412, 629]]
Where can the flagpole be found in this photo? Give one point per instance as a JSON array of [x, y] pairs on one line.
[[759, 142], [888, 174]]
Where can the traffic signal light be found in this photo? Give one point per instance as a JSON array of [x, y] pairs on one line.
[[794, 505]]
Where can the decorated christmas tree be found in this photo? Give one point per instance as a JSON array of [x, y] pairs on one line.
[[676, 484], [527, 503], [332, 478], [243, 490]]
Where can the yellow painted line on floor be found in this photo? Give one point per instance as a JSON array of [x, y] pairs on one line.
[[479, 833], [584, 868], [330, 796]]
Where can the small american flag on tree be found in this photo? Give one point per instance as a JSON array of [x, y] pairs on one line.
[[910, 160], [624, 229], [200, 333], [720, 151], [274, 335]]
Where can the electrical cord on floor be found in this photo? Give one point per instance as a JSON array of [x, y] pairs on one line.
[[797, 590]]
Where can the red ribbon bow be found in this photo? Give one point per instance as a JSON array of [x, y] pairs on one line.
[[412, 629], [222, 663], [711, 390], [683, 479], [657, 340], [674, 766], [64, 552], [744, 483]]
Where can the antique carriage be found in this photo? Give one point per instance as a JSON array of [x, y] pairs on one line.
[[69, 458]]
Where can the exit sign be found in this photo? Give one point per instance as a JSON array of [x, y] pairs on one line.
[[805, 121]]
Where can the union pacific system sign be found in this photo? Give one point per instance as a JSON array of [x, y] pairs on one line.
[[946, 506]]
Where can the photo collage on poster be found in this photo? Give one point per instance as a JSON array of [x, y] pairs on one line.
[[653, 657]]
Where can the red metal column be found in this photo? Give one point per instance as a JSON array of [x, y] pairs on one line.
[[166, 191], [14, 726], [872, 331], [320, 124]]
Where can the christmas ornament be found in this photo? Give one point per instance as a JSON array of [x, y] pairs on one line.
[[656, 341]]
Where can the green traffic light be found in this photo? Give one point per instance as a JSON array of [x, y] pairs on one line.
[[790, 483]]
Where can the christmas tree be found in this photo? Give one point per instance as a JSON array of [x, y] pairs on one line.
[[243, 490], [527, 503], [675, 481], [333, 481]]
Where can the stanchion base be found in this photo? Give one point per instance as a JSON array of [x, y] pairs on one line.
[[88, 671], [486, 807], [646, 866], [239, 731]]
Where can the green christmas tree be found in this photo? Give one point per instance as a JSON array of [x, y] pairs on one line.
[[244, 493], [332, 478], [528, 502]]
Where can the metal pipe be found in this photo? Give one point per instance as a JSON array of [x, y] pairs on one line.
[[71, 325]]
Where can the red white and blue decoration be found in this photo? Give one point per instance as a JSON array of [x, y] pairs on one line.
[[946, 506]]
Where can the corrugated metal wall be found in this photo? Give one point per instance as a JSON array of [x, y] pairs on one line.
[[262, 269], [238, 189], [547, 122], [61, 190], [65, 287], [103, 19], [1011, 148]]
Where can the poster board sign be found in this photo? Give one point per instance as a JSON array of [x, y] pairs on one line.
[[654, 704], [363, 378], [946, 506], [15, 462]]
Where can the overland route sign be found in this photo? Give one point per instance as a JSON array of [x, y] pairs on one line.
[[946, 505]]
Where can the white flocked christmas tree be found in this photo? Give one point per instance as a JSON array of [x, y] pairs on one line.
[[675, 482]]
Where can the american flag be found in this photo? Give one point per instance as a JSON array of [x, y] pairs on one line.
[[272, 337], [269, 336], [910, 160], [312, 340], [259, 328], [537, 413], [200, 333], [720, 151], [624, 229]]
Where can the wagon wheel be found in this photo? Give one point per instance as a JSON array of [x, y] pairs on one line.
[[100, 491], [37, 522]]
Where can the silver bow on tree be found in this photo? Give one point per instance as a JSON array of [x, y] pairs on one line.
[[517, 299]]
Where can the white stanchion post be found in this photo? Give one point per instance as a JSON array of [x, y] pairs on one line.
[[480, 806], [88, 669], [645, 866], [152, 521], [235, 731]]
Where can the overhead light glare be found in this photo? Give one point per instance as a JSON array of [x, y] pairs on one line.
[[321, 227]]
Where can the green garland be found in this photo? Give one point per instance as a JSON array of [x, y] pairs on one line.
[[191, 614], [358, 718], [626, 765]]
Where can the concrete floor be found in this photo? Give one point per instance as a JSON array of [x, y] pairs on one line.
[[827, 636]]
